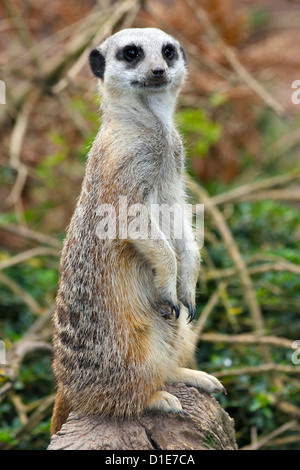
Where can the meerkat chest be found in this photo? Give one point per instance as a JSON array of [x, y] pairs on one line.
[[165, 202], [165, 169]]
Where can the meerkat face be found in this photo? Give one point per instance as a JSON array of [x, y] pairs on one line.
[[139, 60]]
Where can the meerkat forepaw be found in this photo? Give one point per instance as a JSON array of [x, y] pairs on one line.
[[201, 380], [164, 401], [209, 383]]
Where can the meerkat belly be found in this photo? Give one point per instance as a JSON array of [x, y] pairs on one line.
[[149, 338]]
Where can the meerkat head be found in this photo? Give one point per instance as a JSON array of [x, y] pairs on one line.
[[139, 60]]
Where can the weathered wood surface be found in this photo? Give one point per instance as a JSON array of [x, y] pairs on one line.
[[204, 426]]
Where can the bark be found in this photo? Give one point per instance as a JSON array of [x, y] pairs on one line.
[[204, 426]]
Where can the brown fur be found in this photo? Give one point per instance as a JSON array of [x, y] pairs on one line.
[[60, 412]]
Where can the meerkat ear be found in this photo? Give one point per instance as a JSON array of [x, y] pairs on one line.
[[97, 63]]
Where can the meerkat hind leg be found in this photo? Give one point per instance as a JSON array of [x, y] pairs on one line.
[[199, 379], [164, 401]]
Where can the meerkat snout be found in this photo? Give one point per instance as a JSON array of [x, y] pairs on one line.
[[157, 76]]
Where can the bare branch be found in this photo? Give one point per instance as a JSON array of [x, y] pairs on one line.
[[234, 252], [248, 339], [231, 56], [247, 191], [32, 235], [260, 369], [269, 437], [25, 255], [23, 294]]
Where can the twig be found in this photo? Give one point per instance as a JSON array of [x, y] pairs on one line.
[[295, 438], [269, 437], [16, 143], [25, 296], [23, 32], [20, 127], [261, 369], [212, 302], [231, 56], [75, 116], [79, 40], [33, 340], [52, 40], [17, 187], [248, 189], [16, 356], [113, 16], [204, 60], [31, 235], [287, 194], [25, 255], [20, 408], [40, 323], [234, 252], [37, 416], [282, 265], [32, 421], [247, 338], [289, 408]]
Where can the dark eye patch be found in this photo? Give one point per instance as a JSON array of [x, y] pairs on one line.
[[169, 53], [131, 54]]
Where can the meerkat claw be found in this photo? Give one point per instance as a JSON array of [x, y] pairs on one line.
[[192, 312], [176, 309]]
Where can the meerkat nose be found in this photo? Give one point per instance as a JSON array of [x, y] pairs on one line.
[[158, 72]]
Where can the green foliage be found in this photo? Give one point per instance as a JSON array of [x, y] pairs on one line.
[[35, 380], [259, 18], [269, 232], [202, 133], [39, 281]]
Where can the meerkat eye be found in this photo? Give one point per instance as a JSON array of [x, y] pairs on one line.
[[130, 53], [169, 52]]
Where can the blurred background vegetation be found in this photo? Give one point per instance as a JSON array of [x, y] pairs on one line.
[[242, 139]]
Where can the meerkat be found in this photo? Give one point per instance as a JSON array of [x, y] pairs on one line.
[[122, 326]]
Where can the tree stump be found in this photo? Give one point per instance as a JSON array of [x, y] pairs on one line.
[[203, 426]]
